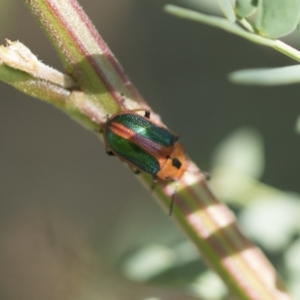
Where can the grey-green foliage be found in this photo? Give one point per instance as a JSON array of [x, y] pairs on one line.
[[268, 76], [276, 18], [273, 19], [244, 8], [227, 8]]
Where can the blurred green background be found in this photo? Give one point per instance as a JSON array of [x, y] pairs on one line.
[[68, 212]]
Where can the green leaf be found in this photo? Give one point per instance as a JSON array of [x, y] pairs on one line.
[[244, 8], [267, 77], [276, 18], [291, 258], [242, 151], [148, 262], [273, 220], [227, 8], [233, 28]]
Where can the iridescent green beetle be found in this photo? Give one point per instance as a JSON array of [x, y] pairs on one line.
[[145, 146]]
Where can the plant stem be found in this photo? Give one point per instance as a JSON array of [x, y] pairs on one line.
[[224, 24], [104, 88]]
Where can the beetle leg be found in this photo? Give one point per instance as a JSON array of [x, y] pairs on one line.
[[173, 198], [110, 153], [206, 175], [172, 204], [147, 113], [154, 181], [136, 171]]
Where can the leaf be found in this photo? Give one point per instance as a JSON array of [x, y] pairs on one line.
[[244, 8], [291, 258], [233, 28], [148, 262], [227, 9], [242, 151], [224, 24], [272, 220], [268, 76], [276, 18]]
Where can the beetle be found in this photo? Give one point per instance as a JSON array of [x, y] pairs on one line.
[[145, 145]]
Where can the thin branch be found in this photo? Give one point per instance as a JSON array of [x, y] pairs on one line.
[[224, 24], [104, 88]]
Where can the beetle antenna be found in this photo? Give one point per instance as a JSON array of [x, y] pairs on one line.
[[173, 199], [172, 204]]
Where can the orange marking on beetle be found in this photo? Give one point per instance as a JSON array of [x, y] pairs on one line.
[[171, 160]]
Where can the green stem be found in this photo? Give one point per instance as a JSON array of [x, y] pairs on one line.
[[104, 88], [224, 24]]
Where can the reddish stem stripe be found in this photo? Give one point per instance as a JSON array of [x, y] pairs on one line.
[[62, 18], [106, 51], [207, 222], [215, 224]]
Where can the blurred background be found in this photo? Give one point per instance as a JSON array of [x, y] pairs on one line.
[[76, 224]]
